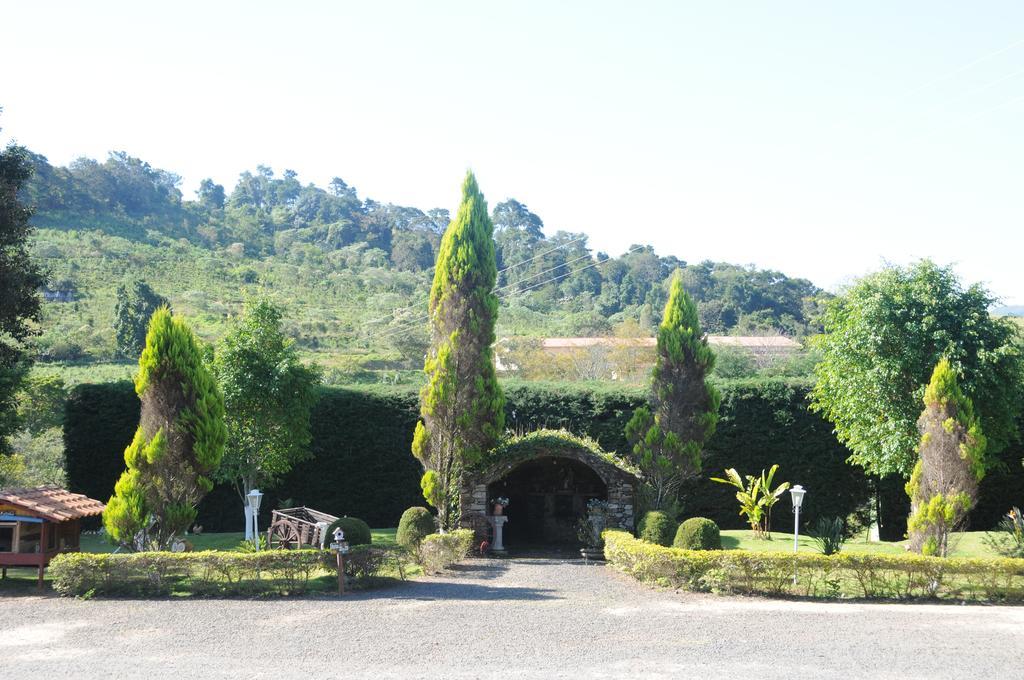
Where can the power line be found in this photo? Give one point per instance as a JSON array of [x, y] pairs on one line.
[[940, 78], [409, 325], [976, 90], [562, 276], [549, 269], [961, 69], [500, 271]]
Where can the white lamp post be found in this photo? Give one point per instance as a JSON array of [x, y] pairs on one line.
[[798, 500], [255, 496]]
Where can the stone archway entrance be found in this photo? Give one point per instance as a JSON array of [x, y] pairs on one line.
[[548, 496], [548, 477]]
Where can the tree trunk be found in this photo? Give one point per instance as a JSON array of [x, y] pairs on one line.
[[247, 486], [248, 520]]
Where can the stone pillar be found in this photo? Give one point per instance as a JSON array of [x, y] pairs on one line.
[[499, 524]]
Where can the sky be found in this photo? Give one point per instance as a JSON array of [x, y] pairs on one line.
[[821, 139]]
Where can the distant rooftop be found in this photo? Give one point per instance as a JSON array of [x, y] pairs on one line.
[[753, 342]]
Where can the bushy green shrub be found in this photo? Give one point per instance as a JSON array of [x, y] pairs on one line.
[[415, 525], [656, 527], [366, 563], [357, 532], [438, 551], [1008, 540], [698, 533], [868, 576], [829, 534]]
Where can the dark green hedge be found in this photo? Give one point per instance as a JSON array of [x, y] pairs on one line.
[[362, 465], [599, 411], [99, 422], [766, 422]]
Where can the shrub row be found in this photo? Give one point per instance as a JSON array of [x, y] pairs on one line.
[[844, 575], [362, 465], [210, 573], [438, 551]]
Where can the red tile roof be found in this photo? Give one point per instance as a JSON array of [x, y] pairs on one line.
[[52, 503]]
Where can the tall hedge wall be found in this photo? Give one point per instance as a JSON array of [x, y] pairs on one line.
[[767, 422], [362, 465]]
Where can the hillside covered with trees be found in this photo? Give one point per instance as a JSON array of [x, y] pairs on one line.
[[352, 273]]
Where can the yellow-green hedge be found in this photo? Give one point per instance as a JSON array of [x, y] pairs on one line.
[[210, 573], [868, 576]]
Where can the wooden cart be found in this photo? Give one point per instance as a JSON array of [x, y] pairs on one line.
[[297, 528]]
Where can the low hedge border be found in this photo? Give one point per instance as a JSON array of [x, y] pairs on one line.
[[214, 573], [889, 577]]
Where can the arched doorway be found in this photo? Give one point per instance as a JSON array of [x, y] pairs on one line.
[[547, 497], [548, 477]]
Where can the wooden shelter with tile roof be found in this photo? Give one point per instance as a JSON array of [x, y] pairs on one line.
[[40, 522]]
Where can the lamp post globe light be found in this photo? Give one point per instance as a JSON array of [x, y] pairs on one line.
[[255, 496], [798, 500]]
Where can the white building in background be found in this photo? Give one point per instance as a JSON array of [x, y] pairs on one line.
[[764, 349]]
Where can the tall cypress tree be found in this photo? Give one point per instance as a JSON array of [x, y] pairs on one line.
[[177, 446], [944, 485], [668, 438], [461, 406]]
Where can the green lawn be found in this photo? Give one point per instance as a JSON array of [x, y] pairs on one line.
[[966, 544]]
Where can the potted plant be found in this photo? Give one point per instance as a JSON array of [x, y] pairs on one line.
[[500, 503], [589, 529]]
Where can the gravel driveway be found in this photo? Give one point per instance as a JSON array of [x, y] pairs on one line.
[[507, 619]]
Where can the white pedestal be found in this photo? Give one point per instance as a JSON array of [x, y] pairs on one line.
[[499, 524]]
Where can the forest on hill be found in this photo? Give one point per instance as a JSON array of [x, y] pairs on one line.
[[352, 272]]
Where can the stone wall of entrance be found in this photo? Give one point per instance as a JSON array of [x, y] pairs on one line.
[[621, 486]]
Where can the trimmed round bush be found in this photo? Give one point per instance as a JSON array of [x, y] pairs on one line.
[[416, 523], [657, 528], [357, 532], [698, 533]]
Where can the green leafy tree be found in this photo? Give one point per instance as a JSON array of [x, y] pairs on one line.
[[461, 406], [41, 402], [136, 302], [178, 445], [951, 461], [20, 280], [38, 447], [210, 195], [668, 437], [882, 339], [268, 396]]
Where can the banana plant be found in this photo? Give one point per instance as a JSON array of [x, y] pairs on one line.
[[749, 496], [756, 497], [770, 497]]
